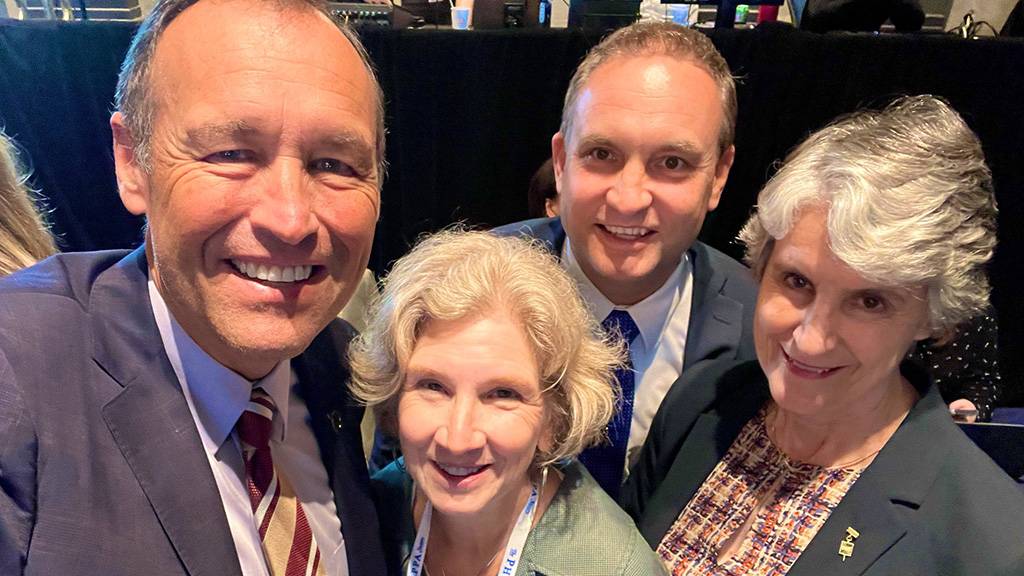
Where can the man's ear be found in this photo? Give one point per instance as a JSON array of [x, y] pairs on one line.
[[558, 159], [721, 175], [132, 180]]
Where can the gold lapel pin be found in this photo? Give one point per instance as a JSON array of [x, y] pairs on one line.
[[846, 544]]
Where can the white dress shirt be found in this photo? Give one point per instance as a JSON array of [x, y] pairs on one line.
[[216, 397], [657, 353]]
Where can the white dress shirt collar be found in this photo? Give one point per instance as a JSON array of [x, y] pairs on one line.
[[218, 394], [650, 314]]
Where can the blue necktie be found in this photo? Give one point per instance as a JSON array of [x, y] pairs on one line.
[[607, 461]]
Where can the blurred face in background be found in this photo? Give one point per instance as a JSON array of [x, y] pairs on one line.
[[639, 171], [471, 416], [263, 193]]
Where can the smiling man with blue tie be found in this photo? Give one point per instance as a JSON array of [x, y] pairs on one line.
[[642, 155], [182, 409]]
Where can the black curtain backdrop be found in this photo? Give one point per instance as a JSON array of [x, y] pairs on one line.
[[471, 114]]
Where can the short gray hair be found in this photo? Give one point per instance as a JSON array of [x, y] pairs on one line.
[[134, 97], [659, 38], [454, 274], [909, 198]]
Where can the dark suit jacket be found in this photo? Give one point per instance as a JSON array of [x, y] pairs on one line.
[[931, 503], [102, 471], [724, 293]]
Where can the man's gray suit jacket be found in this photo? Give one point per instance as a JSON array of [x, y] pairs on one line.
[[724, 294], [102, 470]]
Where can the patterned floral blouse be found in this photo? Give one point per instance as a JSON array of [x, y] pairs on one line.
[[800, 498]]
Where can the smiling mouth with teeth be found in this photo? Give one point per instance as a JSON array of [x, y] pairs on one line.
[[284, 274], [460, 471], [626, 232], [807, 367]]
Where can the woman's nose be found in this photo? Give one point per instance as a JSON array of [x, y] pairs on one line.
[[462, 432]]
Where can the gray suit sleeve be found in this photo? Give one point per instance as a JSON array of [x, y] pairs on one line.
[[18, 448]]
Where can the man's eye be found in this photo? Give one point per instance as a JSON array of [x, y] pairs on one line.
[[331, 166], [601, 154], [674, 163], [231, 156]]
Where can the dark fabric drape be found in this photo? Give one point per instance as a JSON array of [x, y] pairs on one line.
[[471, 115]]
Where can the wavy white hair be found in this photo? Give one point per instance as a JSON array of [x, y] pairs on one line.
[[909, 200]]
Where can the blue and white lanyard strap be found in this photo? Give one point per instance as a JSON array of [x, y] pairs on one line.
[[514, 549]]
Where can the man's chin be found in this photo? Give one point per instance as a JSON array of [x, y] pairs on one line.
[[255, 357]]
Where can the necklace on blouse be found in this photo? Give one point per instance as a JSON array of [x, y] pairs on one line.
[[770, 430]]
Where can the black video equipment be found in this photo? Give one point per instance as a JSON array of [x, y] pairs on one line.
[[359, 15]]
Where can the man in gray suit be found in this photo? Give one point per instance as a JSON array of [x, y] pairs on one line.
[[182, 409], [643, 153]]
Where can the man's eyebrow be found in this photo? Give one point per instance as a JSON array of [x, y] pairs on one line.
[[362, 151], [595, 140], [220, 131], [351, 139], [682, 147]]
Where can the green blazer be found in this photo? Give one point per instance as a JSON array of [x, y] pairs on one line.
[[931, 503], [582, 532]]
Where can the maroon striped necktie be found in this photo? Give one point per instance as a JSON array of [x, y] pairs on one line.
[[287, 540]]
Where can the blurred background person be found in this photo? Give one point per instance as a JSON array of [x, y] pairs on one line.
[[542, 195], [484, 362], [24, 239], [830, 455], [965, 367]]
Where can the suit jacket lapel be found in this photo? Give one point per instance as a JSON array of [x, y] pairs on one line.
[[894, 485], [689, 469], [152, 425], [716, 321], [552, 234], [323, 376], [868, 509], [706, 444]]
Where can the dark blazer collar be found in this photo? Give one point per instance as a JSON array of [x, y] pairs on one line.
[[548, 231], [897, 481], [716, 319], [724, 396], [335, 418], [151, 423]]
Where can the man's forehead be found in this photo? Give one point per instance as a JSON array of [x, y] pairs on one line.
[[233, 40], [654, 72], [212, 29], [673, 95]]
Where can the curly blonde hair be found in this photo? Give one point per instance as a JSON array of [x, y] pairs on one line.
[[456, 273]]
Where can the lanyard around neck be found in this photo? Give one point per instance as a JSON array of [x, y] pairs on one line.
[[513, 550]]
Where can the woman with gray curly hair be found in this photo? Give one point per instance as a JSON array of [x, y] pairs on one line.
[[481, 358], [830, 454]]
